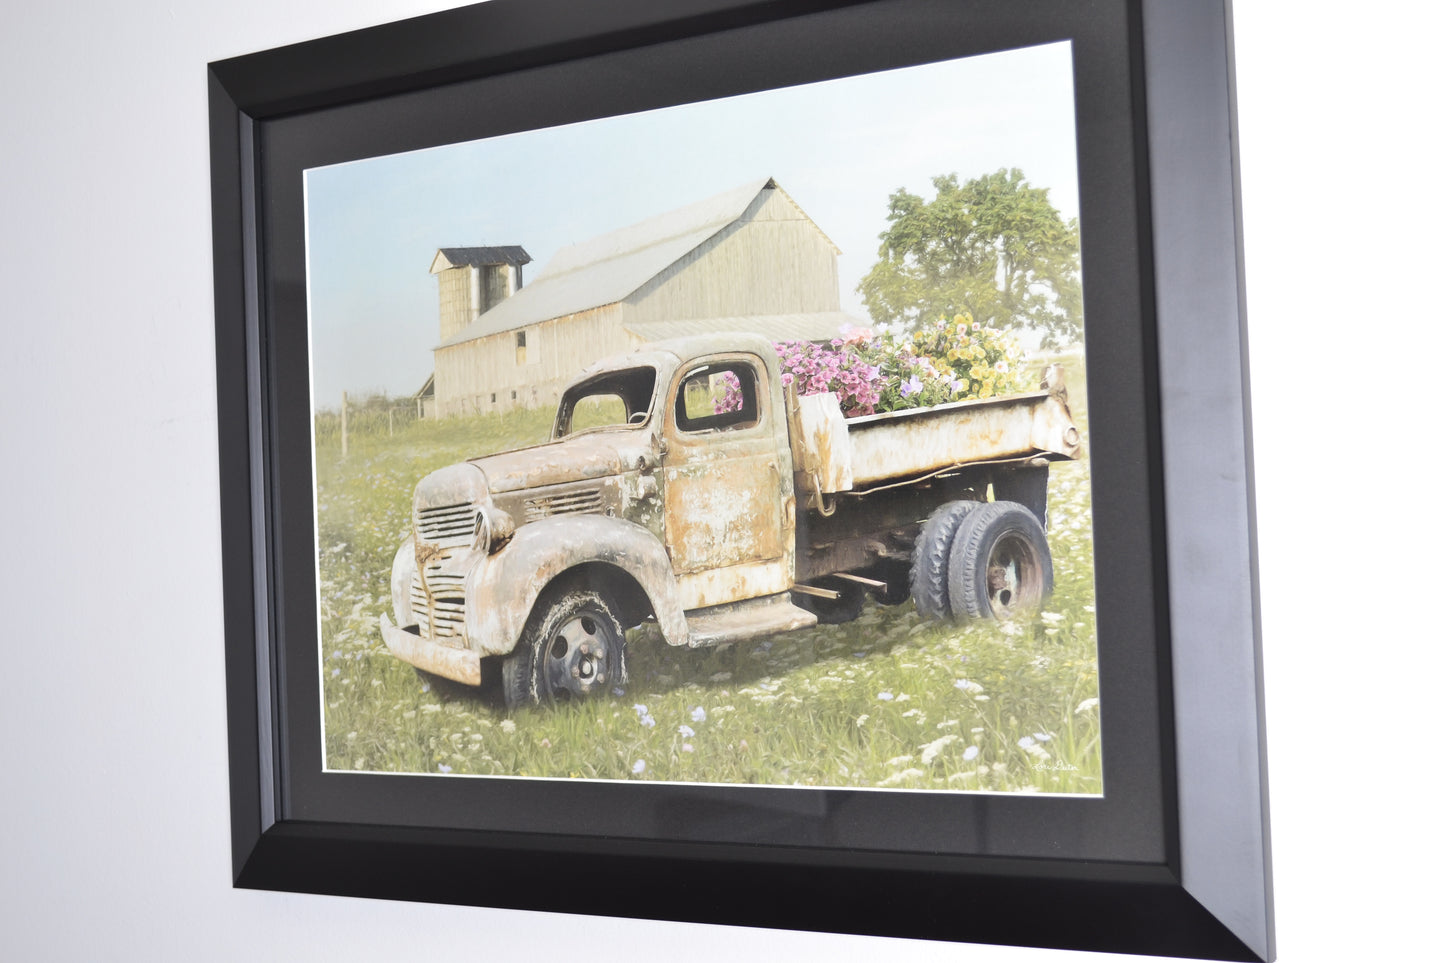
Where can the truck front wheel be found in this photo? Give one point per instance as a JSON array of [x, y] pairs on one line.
[[999, 565], [572, 648]]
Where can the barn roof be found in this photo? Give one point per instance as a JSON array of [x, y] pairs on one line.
[[451, 257], [608, 268], [815, 326]]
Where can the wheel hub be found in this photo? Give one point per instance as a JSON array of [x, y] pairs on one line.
[[576, 658]]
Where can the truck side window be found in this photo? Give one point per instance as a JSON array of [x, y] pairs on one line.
[[718, 396]]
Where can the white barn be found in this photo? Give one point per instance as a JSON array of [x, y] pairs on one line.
[[749, 259]]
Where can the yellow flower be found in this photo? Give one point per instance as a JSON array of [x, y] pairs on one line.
[[986, 391], [976, 373]]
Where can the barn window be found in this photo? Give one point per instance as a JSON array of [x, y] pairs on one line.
[[514, 396], [718, 396], [521, 347], [494, 397]]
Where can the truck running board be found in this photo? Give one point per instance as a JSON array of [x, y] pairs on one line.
[[750, 619]]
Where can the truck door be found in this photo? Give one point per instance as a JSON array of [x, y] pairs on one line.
[[727, 487]]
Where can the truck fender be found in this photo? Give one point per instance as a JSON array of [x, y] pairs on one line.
[[502, 592]]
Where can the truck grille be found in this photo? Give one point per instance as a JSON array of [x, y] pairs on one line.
[[448, 604], [582, 502], [448, 524]]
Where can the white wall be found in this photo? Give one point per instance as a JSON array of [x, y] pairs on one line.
[[115, 840]]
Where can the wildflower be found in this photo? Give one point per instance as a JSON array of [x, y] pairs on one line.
[[1042, 736], [1086, 705], [930, 752], [640, 709], [648, 721], [687, 747], [335, 673], [911, 387], [426, 687], [639, 767], [686, 732], [443, 767], [898, 778], [885, 697], [964, 685], [699, 714], [861, 719], [617, 691], [509, 726], [1026, 741], [546, 743], [970, 754]]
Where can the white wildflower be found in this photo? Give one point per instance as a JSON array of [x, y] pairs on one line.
[[970, 754], [907, 775], [930, 752]]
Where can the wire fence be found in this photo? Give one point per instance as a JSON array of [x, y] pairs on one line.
[[372, 416]]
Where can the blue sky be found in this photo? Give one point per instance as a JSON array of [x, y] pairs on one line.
[[839, 148]]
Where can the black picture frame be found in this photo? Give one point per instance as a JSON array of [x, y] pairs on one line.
[[1174, 860]]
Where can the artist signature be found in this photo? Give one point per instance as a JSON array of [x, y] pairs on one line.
[[1056, 767]]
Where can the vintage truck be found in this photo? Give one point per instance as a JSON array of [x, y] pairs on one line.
[[652, 503]]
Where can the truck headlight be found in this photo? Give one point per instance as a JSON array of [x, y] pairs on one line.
[[482, 539], [494, 528]]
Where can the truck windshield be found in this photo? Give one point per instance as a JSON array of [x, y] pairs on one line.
[[616, 399]]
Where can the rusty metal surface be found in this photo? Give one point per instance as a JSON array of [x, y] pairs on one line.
[[728, 492], [502, 590], [460, 665], [748, 619], [821, 453], [577, 458], [716, 586], [920, 440]]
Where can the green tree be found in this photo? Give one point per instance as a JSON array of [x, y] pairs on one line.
[[994, 247]]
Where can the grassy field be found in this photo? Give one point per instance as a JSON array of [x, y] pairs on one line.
[[885, 701]]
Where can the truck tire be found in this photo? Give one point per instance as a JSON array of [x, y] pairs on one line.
[[928, 575], [999, 565], [572, 648]]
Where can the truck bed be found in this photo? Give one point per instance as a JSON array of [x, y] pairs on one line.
[[838, 454]]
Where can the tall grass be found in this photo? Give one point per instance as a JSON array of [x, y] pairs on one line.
[[886, 701]]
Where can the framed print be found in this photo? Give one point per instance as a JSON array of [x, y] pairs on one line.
[[763, 448]]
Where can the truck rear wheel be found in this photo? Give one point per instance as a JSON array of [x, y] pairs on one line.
[[999, 565], [572, 648], [928, 576]]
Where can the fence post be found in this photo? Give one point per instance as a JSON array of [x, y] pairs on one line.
[[343, 424], [390, 429]]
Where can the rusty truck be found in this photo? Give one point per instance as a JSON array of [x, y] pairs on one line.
[[651, 503]]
